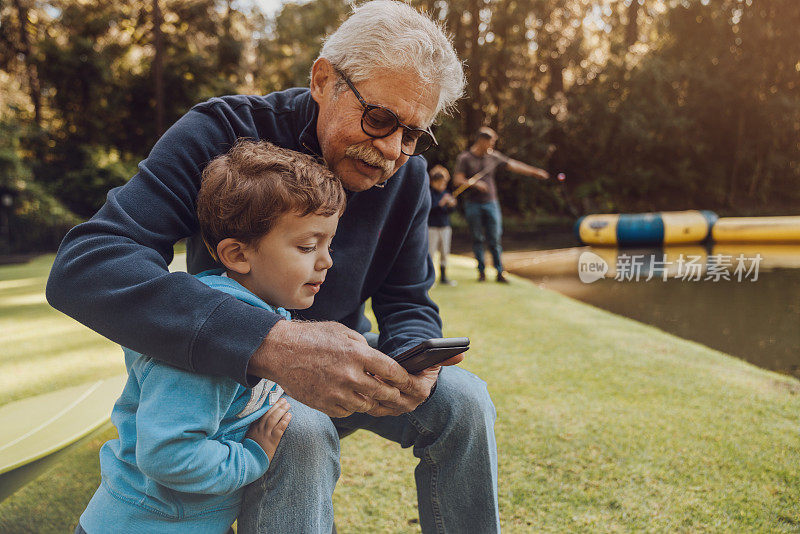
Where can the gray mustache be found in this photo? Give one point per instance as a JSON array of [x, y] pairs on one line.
[[370, 156]]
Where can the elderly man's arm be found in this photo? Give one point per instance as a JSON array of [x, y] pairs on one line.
[[111, 274], [406, 315], [111, 271]]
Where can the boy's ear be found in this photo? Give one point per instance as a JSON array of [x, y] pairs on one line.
[[231, 254]]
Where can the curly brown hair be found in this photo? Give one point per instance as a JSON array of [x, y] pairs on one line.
[[244, 191]]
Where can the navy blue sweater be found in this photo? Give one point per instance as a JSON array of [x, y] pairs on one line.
[[111, 271]]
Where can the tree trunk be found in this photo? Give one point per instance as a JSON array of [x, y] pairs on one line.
[[474, 117], [158, 67], [498, 69], [33, 75], [556, 69], [737, 160], [632, 29], [751, 192]]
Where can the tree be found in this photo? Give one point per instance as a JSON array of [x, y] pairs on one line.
[[652, 104]]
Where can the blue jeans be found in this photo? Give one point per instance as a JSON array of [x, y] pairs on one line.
[[452, 434], [486, 225], [79, 530]]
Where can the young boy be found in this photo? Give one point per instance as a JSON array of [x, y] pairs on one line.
[[188, 444], [439, 231]]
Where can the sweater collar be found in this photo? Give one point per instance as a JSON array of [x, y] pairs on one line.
[[308, 111]]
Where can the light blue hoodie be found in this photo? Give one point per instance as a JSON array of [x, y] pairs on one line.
[[181, 460]]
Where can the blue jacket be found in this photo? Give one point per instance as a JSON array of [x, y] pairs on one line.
[[111, 271], [181, 459], [439, 215]]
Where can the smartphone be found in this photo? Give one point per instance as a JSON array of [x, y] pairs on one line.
[[431, 352]]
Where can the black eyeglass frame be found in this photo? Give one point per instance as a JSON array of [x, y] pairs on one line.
[[398, 123]]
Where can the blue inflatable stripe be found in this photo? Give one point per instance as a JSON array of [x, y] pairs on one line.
[[576, 229], [640, 229], [711, 218]]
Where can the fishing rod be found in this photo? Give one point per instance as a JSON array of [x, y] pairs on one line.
[[474, 179], [561, 177], [483, 172], [562, 180]]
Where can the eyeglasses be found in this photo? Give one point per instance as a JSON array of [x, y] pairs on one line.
[[379, 122]]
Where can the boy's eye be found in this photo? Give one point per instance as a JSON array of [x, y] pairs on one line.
[[306, 249]]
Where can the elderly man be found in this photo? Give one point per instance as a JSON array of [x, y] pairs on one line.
[[375, 90], [475, 170]]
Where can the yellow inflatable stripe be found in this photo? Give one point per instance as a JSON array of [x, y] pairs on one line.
[[757, 230], [684, 227], [599, 229]]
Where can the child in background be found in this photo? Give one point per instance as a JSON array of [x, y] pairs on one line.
[[188, 443], [439, 230]]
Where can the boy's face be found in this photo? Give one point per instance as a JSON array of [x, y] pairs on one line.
[[439, 184], [288, 265]]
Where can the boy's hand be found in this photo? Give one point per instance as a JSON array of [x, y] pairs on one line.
[[268, 429], [331, 368]]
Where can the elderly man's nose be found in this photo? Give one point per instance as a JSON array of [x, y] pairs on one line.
[[391, 145]]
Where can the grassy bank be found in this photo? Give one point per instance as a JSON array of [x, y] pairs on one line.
[[41, 349], [604, 424]]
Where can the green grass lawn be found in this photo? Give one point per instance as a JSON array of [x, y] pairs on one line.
[[604, 424], [41, 349]]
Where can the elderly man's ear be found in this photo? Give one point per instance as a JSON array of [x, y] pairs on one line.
[[234, 255], [323, 80]]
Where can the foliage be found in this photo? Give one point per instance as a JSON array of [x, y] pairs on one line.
[[652, 104], [33, 220]]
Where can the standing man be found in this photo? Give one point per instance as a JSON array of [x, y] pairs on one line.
[[481, 207], [380, 81]]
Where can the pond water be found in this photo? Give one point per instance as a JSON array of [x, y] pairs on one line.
[[754, 314]]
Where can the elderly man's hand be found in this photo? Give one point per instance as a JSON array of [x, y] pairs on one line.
[[331, 368], [417, 387]]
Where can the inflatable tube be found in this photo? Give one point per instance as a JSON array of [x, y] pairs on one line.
[[757, 230], [645, 229]]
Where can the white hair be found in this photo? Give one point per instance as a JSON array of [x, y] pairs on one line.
[[385, 34]]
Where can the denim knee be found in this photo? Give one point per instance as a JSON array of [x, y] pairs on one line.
[[463, 402], [297, 488], [473, 406], [310, 438]]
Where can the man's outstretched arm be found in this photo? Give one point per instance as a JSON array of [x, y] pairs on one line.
[[527, 170]]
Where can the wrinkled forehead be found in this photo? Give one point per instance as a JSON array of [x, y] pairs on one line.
[[411, 98]]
